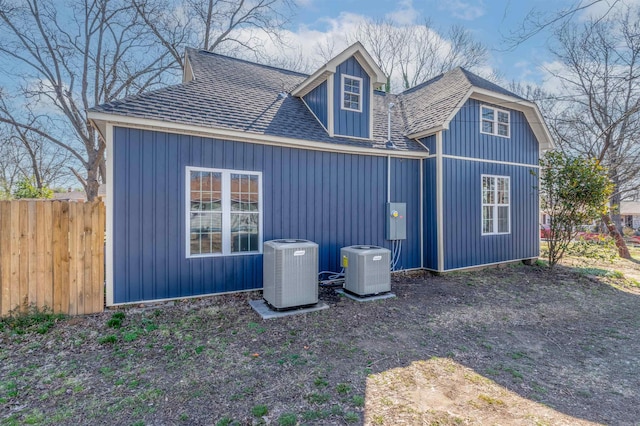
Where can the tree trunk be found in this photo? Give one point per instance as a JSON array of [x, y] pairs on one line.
[[623, 251]]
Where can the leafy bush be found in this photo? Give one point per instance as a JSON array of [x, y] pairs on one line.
[[30, 319], [603, 248]]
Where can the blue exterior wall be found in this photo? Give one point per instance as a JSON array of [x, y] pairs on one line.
[[430, 240], [317, 101], [333, 199], [464, 244], [350, 123], [430, 143], [464, 138]]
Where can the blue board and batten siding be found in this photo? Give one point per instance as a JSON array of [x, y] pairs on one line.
[[464, 244], [351, 123], [317, 102], [464, 138], [333, 199]]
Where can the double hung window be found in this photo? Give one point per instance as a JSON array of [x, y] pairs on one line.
[[223, 212], [496, 218], [495, 121], [351, 93]]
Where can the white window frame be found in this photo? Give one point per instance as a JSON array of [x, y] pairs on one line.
[[494, 205], [495, 121], [226, 211], [343, 91]]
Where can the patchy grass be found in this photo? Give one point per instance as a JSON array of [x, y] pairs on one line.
[[510, 345]]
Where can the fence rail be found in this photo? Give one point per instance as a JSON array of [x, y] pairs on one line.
[[52, 255]]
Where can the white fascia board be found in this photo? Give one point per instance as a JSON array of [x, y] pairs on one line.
[[429, 132], [313, 81], [240, 136], [362, 56]]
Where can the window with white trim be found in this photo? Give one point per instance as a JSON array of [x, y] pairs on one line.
[[351, 93], [496, 205], [223, 212], [494, 121]]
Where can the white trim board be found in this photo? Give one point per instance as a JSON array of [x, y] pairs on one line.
[[108, 137], [482, 160], [462, 268], [240, 136]]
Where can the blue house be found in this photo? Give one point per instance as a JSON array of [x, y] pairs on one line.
[[203, 172]]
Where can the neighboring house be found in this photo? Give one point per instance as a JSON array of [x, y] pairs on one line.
[[630, 214], [72, 195], [202, 173]]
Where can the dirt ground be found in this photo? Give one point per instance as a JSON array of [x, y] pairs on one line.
[[514, 345]]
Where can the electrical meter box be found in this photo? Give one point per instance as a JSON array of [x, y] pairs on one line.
[[396, 225]]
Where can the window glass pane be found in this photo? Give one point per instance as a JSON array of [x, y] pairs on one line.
[[487, 113], [503, 191], [487, 126], [205, 232], [503, 130], [503, 219], [205, 217], [487, 219], [488, 190], [503, 117], [244, 232]]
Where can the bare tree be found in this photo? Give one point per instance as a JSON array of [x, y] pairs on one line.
[[537, 21], [600, 77], [68, 60], [412, 54], [230, 26]]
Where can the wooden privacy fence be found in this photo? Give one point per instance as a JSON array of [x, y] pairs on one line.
[[52, 255]]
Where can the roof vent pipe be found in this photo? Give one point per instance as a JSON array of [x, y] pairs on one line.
[[390, 143]]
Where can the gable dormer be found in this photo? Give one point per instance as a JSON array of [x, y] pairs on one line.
[[340, 93]]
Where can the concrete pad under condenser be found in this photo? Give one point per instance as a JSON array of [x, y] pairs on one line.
[[366, 298], [267, 313]]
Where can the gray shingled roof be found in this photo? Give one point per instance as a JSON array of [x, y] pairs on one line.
[[229, 93], [234, 94], [431, 103]]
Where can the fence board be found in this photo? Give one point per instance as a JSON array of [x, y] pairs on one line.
[[32, 280], [15, 256], [40, 254], [73, 259], [5, 258], [88, 289], [52, 255], [48, 255]]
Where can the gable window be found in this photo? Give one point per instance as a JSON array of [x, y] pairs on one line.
[[223, 212], [351, 93], [494, 121], [496, 205]]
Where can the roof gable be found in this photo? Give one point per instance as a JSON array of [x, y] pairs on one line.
[[430, 106], [356, 50]]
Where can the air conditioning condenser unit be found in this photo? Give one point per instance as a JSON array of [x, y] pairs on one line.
[[366, 269], [290, 273]]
